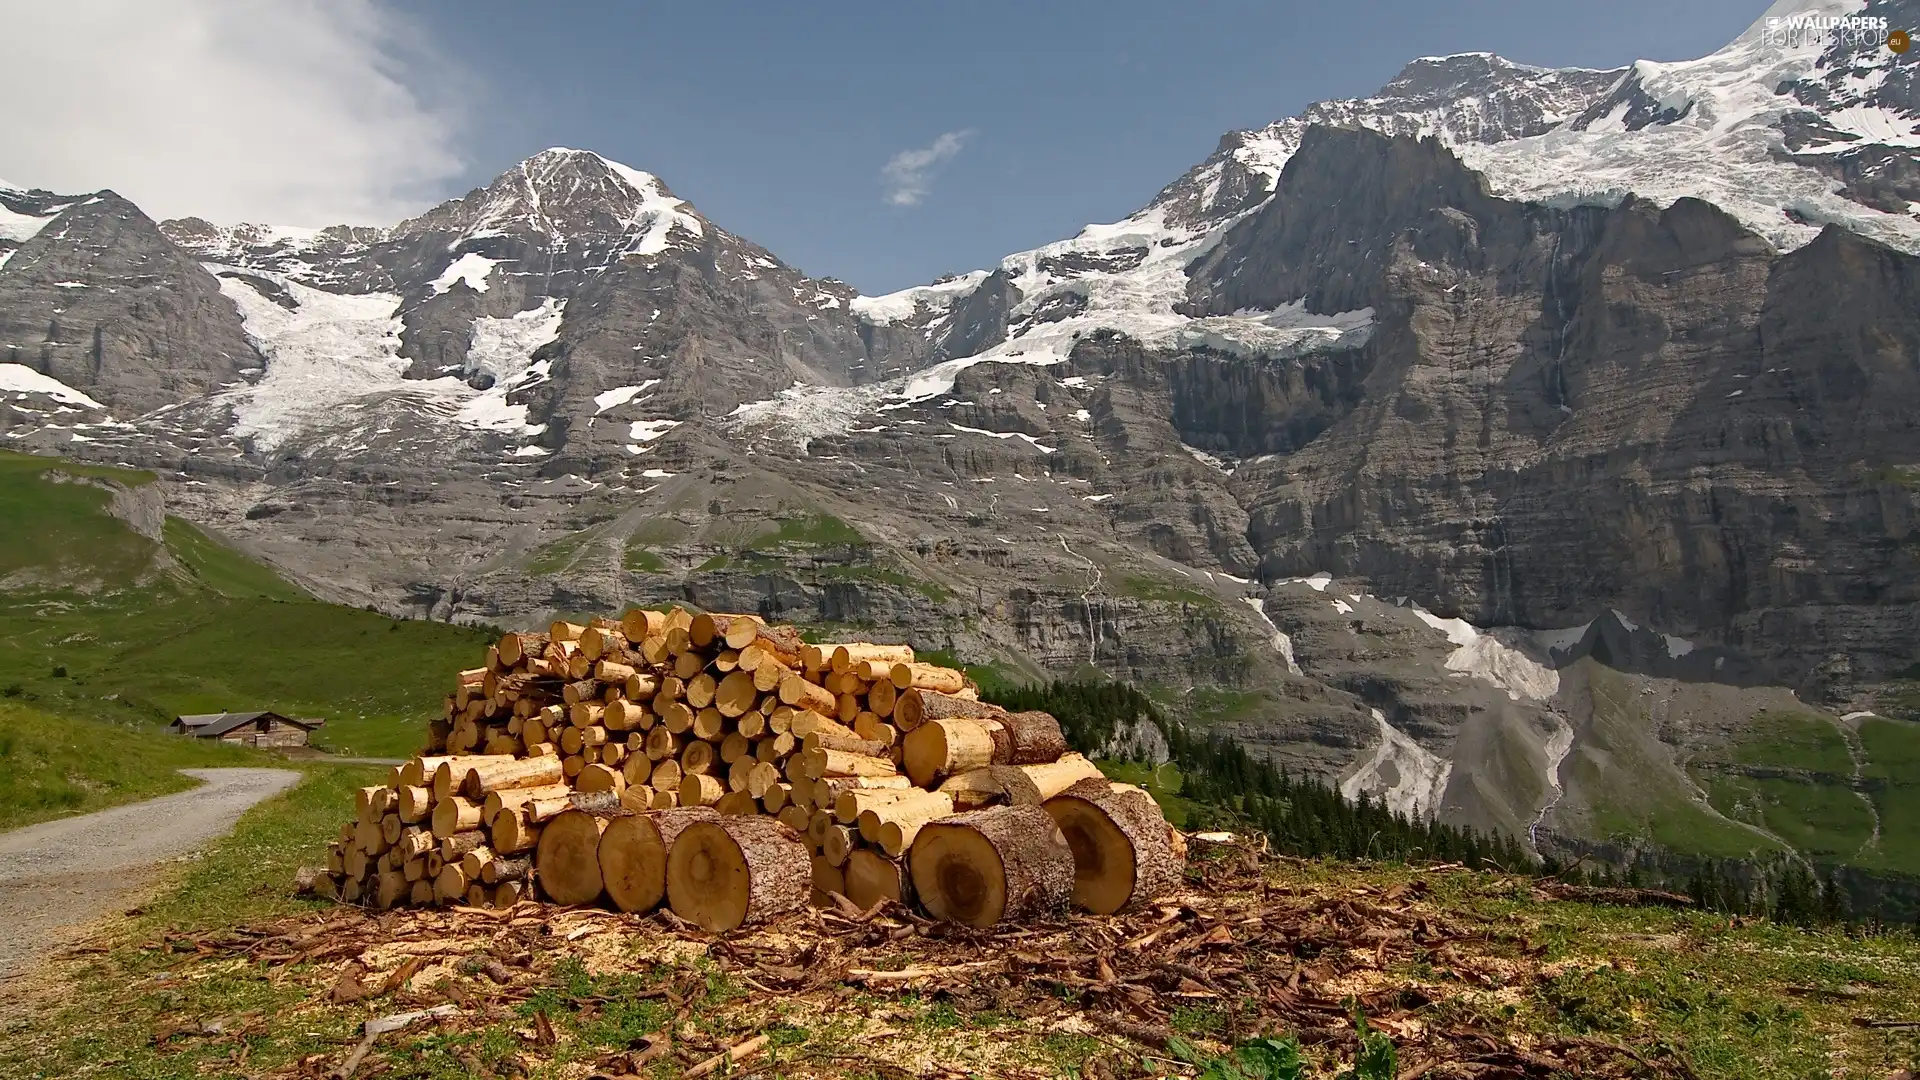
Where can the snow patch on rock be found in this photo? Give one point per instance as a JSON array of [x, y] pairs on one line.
[[1282, 644], [1400, 773], [21, 379], [1495, 656], [470, 268]]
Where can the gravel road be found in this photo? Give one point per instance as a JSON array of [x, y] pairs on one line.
[[59, 876]]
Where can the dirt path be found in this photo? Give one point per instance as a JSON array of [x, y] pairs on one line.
[[58, 876]]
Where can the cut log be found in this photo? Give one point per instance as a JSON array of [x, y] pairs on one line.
[[762, 777], [871, 877], [726, 873], [896, 824], [737, 804], [567, 858], [837, 843], [780, 644], [732, 631], [978, 868], [699, 789], [415, 803], [498, 870], [665, 800], [605, 648], [675, 716], [633, 855], [642, 686], [419, 771], [837, 763], [699, 756], [1122, 851], [941, 748], [882, 698], [601, 778], [700, 690], [454, 848], [515, 648], [563, 631], [972, 790], [455, 815], [415, 843], [795, 817], [622, 715], [451, 773], [734, 747], [639, 624], [1027, 738], [806, 722], [852, 744], [513, 830], [736, 694], [1033, 785], [801, 694], [844, 657], [933, 677], [392, 888], [776, 797], [666, 776], [662, 744], [916, 707], [637, 768], [709, 723], [474, 863], [849, 805], [827, 880], [826, 792], [482, 780], [450, 887]]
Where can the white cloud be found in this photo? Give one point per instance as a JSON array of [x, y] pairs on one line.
[[908, 174], [291, 112]]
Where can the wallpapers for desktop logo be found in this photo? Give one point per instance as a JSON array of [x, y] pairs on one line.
[[1849, 31]]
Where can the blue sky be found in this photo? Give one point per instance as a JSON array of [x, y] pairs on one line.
[[777, 119]]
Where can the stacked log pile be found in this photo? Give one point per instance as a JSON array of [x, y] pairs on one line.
[[727, 768]]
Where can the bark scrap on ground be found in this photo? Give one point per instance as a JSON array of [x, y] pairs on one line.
[[1255, 955]]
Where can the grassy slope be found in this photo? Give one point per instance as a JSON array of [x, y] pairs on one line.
[[92, 626], [1893, 760], [1627, 778], [52, 766]]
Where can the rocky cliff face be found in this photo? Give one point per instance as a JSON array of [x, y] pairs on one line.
[[1636, 392], [96, 298]]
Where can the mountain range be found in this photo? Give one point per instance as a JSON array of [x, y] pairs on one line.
[[1533, 447]]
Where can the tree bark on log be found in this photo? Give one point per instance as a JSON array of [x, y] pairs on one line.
[[1027, 738], [1122, 851], [978, 868], [915, 707], [726, 873]]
